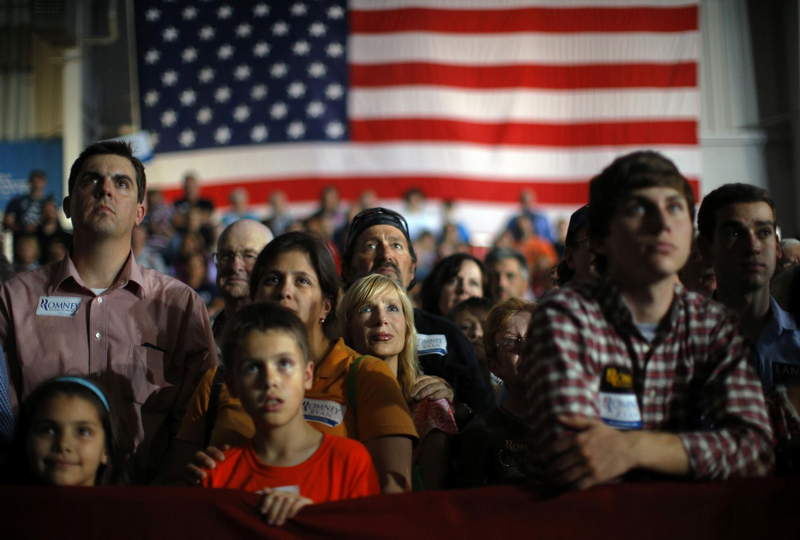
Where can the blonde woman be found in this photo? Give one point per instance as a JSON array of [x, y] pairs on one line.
[[376, 318]]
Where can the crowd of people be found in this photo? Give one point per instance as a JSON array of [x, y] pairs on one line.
[[367, 351]]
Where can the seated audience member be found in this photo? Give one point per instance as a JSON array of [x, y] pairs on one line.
[[191, 199], [296, 270], [26, 253], [279, 218], [144, 336], [239, 198], [24, 212], [790, 254], [196, 277], [237, 250], [527, 201], [418, 218], [470, 317], [147, 257], [737, 226], [578, 263], [67, 435], [491, 450], [287, 460], [453, 279], [378, 243], [698, 274], [632, 372], [49, 231], [376, 318], [508, 274], [532, 246]]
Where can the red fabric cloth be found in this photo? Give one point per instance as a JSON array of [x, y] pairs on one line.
[[340, 469], [750, 508]]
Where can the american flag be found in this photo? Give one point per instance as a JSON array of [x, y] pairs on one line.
[[471, 100]]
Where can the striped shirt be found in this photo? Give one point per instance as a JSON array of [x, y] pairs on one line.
[[693, 380]]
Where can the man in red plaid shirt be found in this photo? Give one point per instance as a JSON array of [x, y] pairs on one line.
[[632, 373]]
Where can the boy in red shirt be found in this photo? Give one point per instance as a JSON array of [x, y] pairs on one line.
[[290, 462]]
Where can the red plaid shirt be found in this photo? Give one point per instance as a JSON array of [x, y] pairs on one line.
[[693, 380]]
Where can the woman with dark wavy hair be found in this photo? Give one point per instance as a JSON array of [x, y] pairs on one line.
[[453, 279]]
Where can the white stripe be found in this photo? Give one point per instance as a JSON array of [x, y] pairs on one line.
[[523, 48], [341, 161], [378, 5], [523, 105]]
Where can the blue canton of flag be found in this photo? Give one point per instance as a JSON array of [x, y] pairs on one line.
[[241, 73]]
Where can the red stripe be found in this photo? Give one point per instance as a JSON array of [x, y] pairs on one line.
[[550, 20], [558, 135], [490, 191], [528, 76]]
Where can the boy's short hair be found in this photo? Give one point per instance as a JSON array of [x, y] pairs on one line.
[[722, 197], [637, 170], [498, 317], [471, 304], [262, 317]]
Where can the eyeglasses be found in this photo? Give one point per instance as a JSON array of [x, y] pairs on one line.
[[512, 344], [226, 258]]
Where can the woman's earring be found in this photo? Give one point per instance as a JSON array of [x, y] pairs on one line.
[[322, 320]]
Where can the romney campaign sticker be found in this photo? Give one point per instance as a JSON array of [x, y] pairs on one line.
[[618, 405], [323, 411], [431, 344], [58, 306]]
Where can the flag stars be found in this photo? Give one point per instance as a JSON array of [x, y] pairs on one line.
[[296, 90], [189, 55], [188, 97], [261, 49], [261, 10], [317, 70], [224, 12], [334, 50], [317, 29], [225, 52], [241, 113], [295, 130], [204, 115], [279, 110], [186, 138], [334, 91], [315, 109], [170, 34], [334, 130], [301, 48], [151, 98], [152, 56], [258, 92], [222, 135], [222, 94], [278, 70], [207, 33], [335, 12], [168, 118], [169, 78], [280, 28], [190, 13], [242, 72], [299, 9], [206, 75], [244, 30], [259, 133], [152, 14]]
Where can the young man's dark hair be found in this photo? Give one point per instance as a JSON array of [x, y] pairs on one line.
[[725, 195], [502, 253], [262, 317], [117, 148], [626, 173]]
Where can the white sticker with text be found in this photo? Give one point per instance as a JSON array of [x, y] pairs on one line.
[[58, 306]]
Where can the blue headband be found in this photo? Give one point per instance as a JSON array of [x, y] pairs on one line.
[[89, 385]]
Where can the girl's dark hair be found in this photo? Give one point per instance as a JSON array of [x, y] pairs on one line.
[[321, 259], [18, 467], [441, 273]]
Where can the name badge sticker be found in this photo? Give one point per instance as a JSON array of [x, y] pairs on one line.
[[431, 344], [58, 306], [323, 411], [618, 405], [783, 372]]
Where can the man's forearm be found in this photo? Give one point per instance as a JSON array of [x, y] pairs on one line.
[[659, 452]]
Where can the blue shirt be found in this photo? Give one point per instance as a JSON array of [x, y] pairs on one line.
[[779, 341]]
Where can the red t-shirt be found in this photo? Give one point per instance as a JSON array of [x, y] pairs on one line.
[[340, 469]]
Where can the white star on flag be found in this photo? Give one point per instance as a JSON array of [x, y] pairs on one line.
[[189, 55], [241, 113], [222, 94], [278, 70], [206, 75], [152, 56], [261, 10], [190, 13], [278, 110], [225, 52], [242, 72], [224, 12], [334, 50], [299, 9], [169, 78], [301, 48], [334, 91], [315, 109], [261, 49], [335, 12], [222, 135], [188, 97], [152, 14], [317, 29], [295, 130], [259, 133], [186, 138], [207, 33], [244, 30], [168, 118], [258, 92], [296, 90], [317, 70], [280, 28], [204, 115], [334, 130], [170, 34], [151, 98]]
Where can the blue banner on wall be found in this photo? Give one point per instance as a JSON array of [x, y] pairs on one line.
[[18, 159]]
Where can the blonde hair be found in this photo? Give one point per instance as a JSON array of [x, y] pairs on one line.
[[498, 317], [364, 291]]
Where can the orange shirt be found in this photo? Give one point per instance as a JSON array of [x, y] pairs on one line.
[[339, 469], [382, 409]]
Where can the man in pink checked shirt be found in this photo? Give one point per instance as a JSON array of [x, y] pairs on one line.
[[633, 375]]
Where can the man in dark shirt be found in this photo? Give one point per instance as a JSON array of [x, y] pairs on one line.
[[24, 213], [378, 242]]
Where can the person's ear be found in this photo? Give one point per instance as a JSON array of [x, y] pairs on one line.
[[326, 309], [65, 205], [494, 365], [308, 375], [140, 212], [104, 457]]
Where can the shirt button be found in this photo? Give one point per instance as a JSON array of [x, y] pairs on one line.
[[97, 374], [97, 335], [99, 299]]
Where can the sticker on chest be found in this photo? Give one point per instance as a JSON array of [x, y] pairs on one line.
[[323, 411], [58, 306], [617, 401]]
